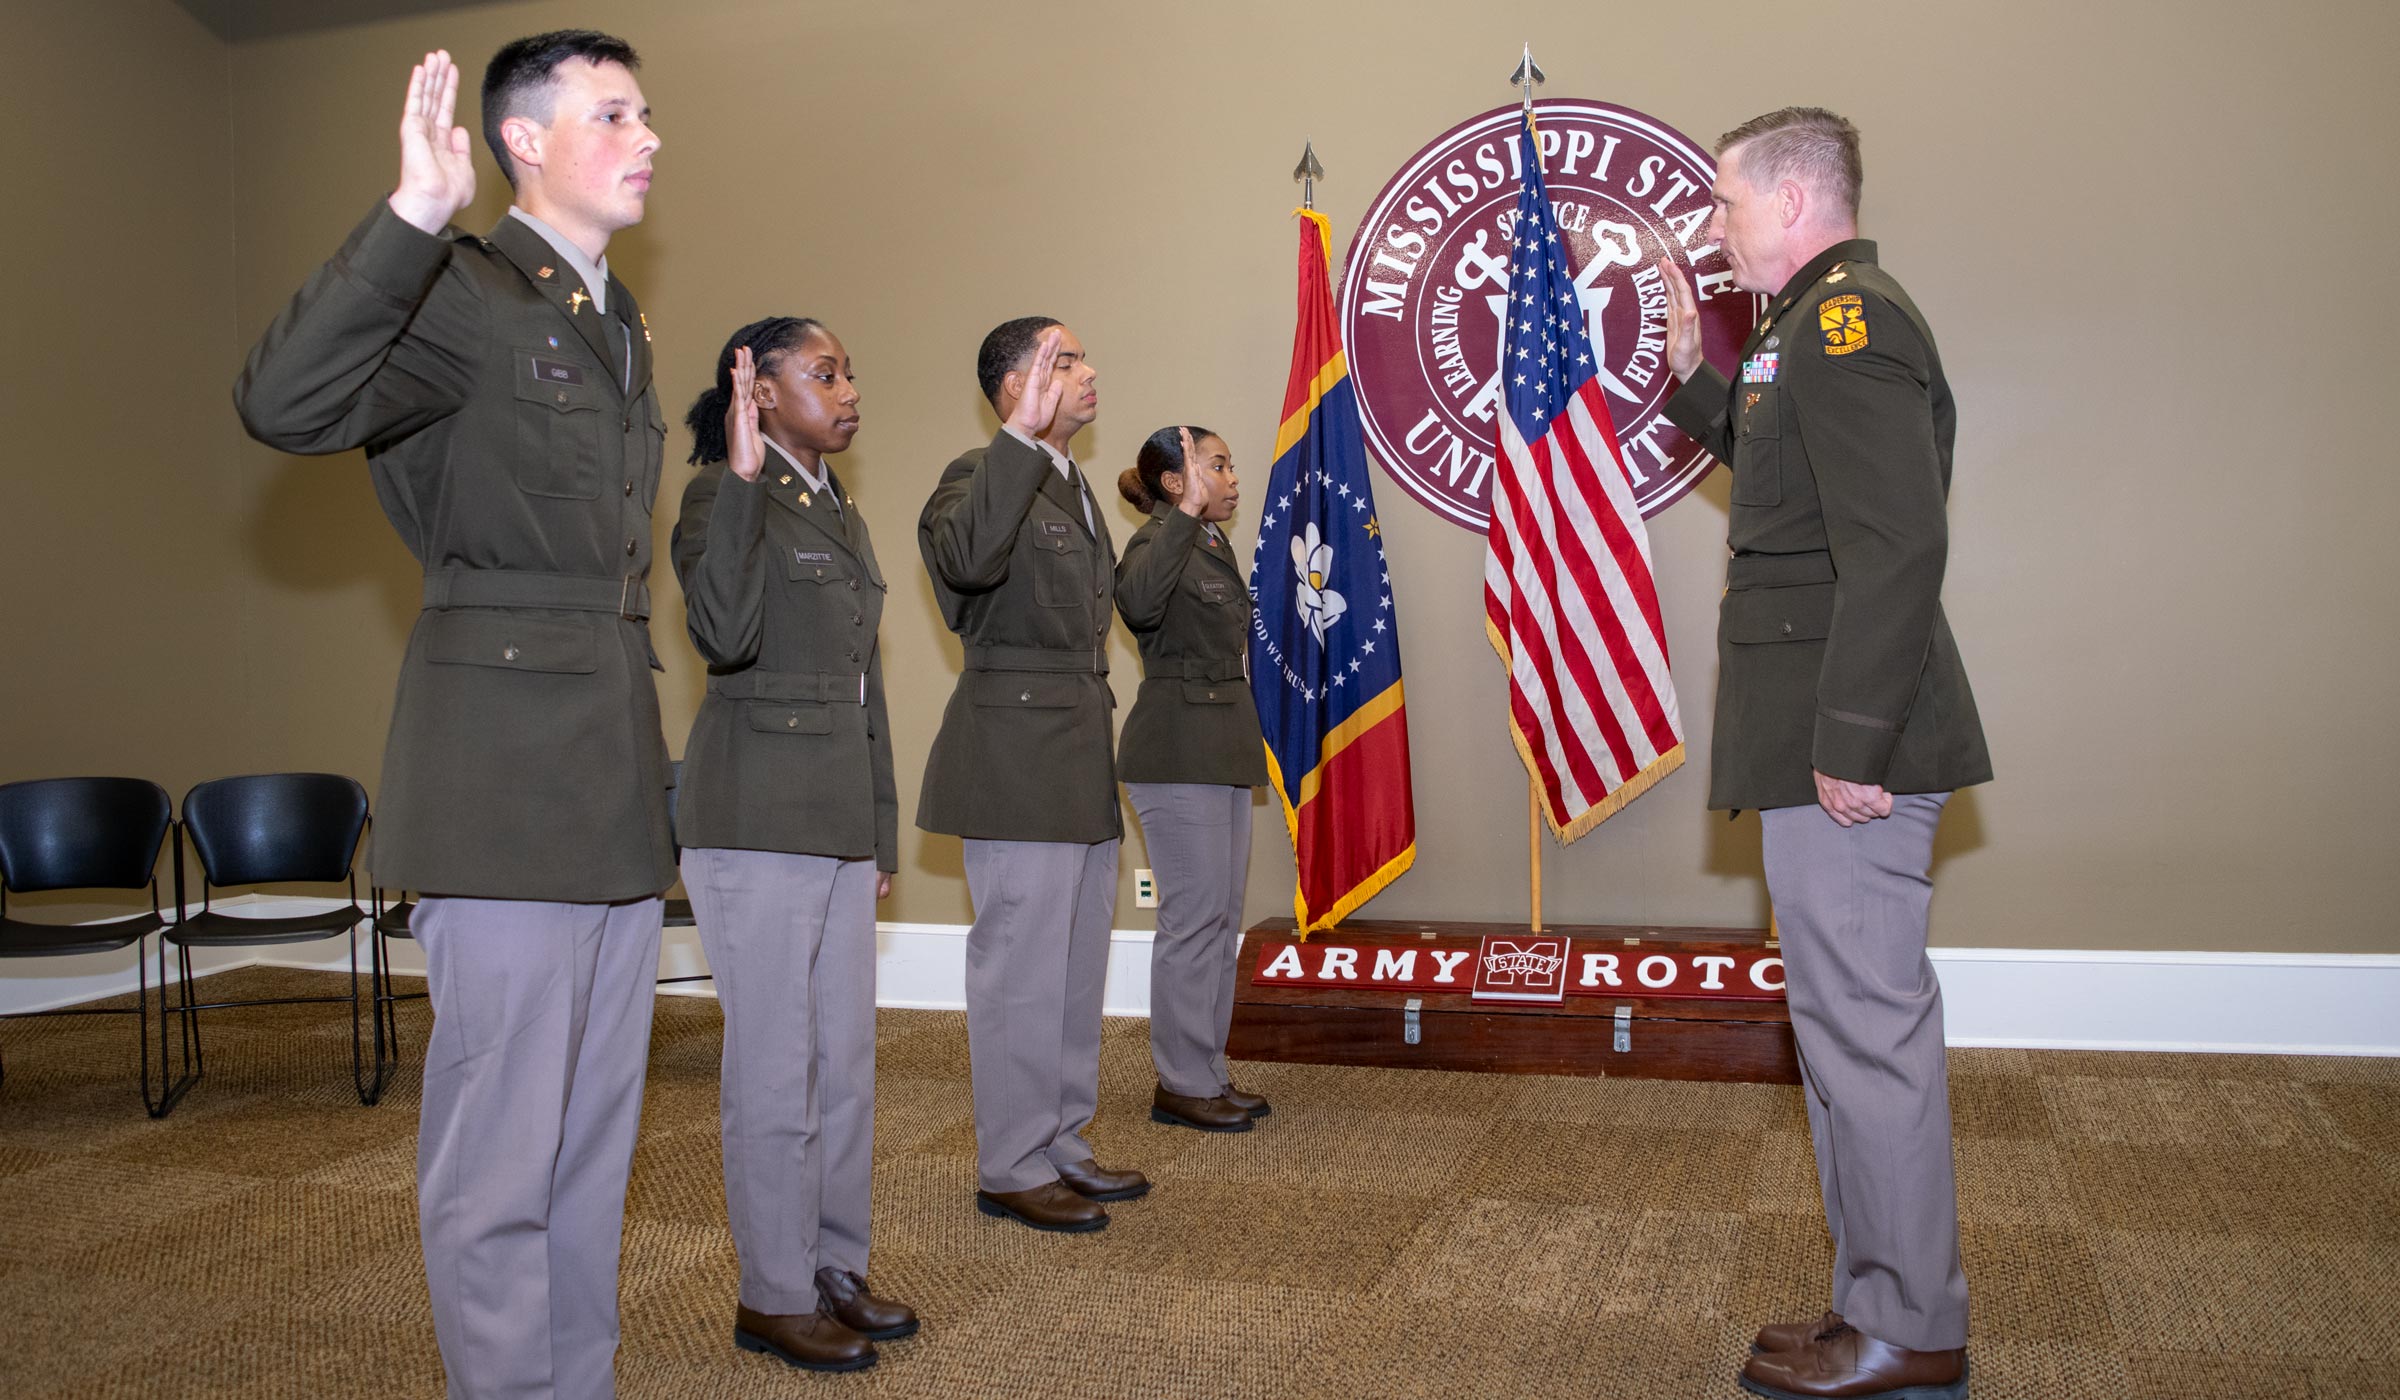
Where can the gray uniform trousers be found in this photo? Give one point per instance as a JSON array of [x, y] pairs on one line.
[[791, 943], [1037, 963], [1198, 837], [533, 1089], [1867, 1013]]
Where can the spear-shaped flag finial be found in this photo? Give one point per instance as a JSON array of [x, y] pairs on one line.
[[1307, 173], [1528, 76]]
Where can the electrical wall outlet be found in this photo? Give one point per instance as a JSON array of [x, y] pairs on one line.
[[1145, 889]]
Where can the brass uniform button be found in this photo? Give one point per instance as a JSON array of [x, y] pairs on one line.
[[508, 653], [1025, 695], [629, 547]]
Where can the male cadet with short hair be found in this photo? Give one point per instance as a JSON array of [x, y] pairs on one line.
[[1024, 770], [501, 388], [1843, 715]]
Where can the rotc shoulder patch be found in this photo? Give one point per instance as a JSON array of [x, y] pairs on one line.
[[1843, 323]]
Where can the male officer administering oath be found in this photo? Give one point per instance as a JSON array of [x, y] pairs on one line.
[[1023, 770], [501, 387], [1843, 715]]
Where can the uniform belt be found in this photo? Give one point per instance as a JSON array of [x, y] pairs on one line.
[[1084, 661], [1194, 669], [829, 687], [627, 597], [1778, 570]]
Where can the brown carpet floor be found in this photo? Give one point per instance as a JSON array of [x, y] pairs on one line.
[[2137, 1227]]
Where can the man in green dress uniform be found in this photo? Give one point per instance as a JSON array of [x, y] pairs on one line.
[[501, 388], [1843, 715]]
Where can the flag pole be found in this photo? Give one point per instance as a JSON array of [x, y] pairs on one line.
[[1526, 78]]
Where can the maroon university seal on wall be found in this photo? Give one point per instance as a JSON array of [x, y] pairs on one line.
[[1425, 291]]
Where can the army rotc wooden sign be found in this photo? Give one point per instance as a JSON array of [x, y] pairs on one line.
[[1424, 294]]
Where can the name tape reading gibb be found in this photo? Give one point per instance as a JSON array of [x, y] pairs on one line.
[[1526, 967]]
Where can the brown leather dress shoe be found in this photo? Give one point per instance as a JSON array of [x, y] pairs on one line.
[[1097, 1183], [844, 1294], [810, 1341], [1049, 1206], [1848, 1364], [1255, 1105], [1791, 1336], [1188, 1111]]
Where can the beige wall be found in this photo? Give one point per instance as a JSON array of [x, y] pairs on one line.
[[2149, 240], [125, 595]]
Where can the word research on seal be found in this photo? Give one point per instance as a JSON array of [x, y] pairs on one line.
[[1424, 294]]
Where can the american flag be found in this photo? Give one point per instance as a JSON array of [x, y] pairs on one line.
[[1567, 592]]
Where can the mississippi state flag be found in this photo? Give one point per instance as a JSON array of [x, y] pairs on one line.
[[1567, 593], [1324, 644]]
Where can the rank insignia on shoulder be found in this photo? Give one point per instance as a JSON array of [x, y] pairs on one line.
[[1760, 369], [1837, 277], [1843, 322], [545, 271], [645, 326]]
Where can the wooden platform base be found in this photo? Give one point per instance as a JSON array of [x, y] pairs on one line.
[[1656, 1038]]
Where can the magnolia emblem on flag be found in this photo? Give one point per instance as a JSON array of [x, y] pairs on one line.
[[1320, 607]]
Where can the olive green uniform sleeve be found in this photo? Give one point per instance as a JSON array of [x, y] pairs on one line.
[[1867, 425]]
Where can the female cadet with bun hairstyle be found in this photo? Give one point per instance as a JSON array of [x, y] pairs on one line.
[[790, 831], [1190, 754]]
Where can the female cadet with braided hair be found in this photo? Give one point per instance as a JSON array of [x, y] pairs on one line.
[[786, 816], [1189, 756]]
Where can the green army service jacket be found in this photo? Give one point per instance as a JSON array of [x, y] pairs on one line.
[[517, 454], [791, 750], [1833, 653], [1187, 602], [1024, 751]]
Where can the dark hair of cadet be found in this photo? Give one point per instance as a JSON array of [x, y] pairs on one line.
[[517, 81], [769, 341], [1009, 342], [1162, 452]]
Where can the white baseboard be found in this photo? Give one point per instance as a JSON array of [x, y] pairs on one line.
[[2244, 1003]]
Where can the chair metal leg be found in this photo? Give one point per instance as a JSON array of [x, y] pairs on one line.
[[387, 1020], [194, 1046], [171, 1088], [368, 1092]]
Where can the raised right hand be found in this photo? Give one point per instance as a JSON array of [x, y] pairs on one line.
[[437, 162], [745, 450], [1683, 322], [1043, 388], [1199, 483]]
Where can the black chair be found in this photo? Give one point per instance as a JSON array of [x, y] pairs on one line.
[[91, 834], [275, 828]]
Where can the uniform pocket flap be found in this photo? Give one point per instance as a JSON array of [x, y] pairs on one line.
[[1210, 692], [1798, 614], [489, 637], [1025, 692], [770, 718]]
